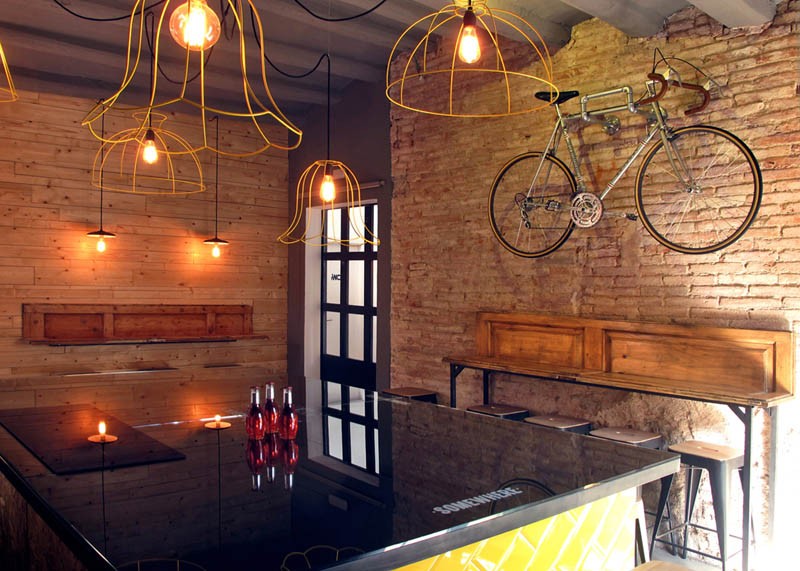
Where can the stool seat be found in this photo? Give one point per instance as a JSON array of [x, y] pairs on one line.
[[506, 411], [629, 436], [565, 423], [696, 449], [413, 393]]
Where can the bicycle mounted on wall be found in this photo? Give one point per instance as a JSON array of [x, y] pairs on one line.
[[698, 188]]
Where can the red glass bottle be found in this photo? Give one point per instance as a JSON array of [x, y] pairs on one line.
[[290, 455], [254, 422], [256, 459], [272, 451], [288, 421], [270, 409]]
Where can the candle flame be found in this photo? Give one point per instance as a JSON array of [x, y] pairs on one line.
[[217, 418], [101, 428]]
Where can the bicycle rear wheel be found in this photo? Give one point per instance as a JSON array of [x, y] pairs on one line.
[[700, 192], [529, 204]]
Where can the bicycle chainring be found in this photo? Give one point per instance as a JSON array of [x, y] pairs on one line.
[[587, 209]]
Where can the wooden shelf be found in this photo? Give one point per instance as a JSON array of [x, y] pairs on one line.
[[131, 324]]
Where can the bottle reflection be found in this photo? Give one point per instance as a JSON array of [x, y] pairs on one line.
[[256, 460], [289, 456], [272, 449]]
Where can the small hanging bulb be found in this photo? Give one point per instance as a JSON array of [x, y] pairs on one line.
[[194, 25], [149, 150], [215, 251], [469, 48], [101, 245], [327, 190]]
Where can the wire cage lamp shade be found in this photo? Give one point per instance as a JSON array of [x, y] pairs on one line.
[[509, 62], [7, 90], [319, 226], [159, 30], [175, 169]]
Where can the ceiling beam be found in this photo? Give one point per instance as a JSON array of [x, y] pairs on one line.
[[737, 13], [634, 17]]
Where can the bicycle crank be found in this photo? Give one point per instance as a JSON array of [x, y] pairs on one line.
[[587, 209]]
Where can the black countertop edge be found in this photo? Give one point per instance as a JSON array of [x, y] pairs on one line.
[[74, 540], [437, 543]]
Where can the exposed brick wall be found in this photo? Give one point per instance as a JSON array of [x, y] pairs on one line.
[[447, 265]]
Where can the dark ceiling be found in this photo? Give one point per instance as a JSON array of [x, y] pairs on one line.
[[50, 50]]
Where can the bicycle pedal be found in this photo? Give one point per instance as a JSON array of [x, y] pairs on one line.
[[632, 216]]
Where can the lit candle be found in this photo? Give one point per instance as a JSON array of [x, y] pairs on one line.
[[102, 437], [217, 423]]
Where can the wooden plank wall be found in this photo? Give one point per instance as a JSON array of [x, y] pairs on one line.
[[47, 205]]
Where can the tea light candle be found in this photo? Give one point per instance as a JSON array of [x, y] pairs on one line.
[[101, 437], [217, 423]]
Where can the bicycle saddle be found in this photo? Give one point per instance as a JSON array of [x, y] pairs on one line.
[[562, 97]]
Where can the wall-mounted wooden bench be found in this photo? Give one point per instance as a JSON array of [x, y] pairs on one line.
[[740, 368], [745, 367], [84, 324]]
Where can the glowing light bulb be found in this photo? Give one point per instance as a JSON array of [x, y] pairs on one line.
[[327, 189], [101, 247], [469, 48], [215, 251], [101, 428], [194, 25], [149, 150]]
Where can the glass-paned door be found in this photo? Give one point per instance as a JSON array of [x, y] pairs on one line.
[[349, 300]]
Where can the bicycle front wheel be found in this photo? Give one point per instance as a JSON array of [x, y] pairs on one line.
[[700, 192], [529, 204]]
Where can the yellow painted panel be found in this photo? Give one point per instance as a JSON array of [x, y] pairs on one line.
[[595, 537]]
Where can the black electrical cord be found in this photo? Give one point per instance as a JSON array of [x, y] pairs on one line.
[[114, 19], [273, 65], [149, 32], [342, 19]]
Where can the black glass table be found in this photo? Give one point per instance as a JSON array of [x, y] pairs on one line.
[[368, 483]]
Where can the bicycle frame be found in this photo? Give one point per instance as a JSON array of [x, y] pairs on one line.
[[560, 130]]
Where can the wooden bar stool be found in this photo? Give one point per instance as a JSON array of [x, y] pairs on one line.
[[565, 423], [720, 461], [630, 436], [507, 411], [413, 393]]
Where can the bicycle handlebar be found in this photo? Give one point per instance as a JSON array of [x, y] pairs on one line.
[[664, 85]]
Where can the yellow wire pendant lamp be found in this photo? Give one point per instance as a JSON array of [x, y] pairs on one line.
[[192, 28], [147, 159], [471, 62], [327, 191], [7, 91]]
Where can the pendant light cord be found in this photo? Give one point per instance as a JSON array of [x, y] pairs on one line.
[[216, 181], [102, 162], [328, 58]]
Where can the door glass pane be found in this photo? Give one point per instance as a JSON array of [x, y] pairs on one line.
[[374, 227], [374, 339], [355, 337], [374, 283], [334, 285], [358, 445], [334, 396], [357, 227], [332, 333], [377, 453], [335, 437], [355, 282], [357, 401], [333, 226]]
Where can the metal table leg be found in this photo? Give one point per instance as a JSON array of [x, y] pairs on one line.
[[486, 375], [745, 414], [455, 370]]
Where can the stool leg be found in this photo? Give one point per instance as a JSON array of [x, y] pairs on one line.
[[666, 483], [692, 484], [720, 492]]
